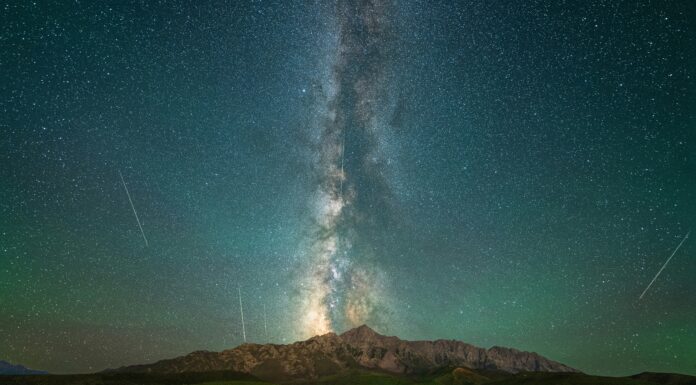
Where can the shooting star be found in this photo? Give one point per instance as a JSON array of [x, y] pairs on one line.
[[665, 265], [265, 327], [133, 207], [241, 311], [343, 155]]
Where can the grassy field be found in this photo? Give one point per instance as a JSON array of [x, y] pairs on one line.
[[458, 376], [233, 383], [468, 377], [208, 378]]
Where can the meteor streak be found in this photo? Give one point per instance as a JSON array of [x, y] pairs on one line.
[[665, 265], [265, 325], [133, 207], [241, 311]]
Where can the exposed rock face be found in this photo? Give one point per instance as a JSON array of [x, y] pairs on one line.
[[359, 347], [395, 355]]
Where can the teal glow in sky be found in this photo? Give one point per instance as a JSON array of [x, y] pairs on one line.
[[498, 173]]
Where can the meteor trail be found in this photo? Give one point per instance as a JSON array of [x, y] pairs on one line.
[[343, 155], [133, 207], [265, 325], [665, 265], [241, 311]]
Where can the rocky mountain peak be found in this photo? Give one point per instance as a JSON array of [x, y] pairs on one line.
[[360, 333], [7, 368], [359, 347], [361, 330]]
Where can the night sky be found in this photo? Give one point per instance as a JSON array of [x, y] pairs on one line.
[[502, 173]]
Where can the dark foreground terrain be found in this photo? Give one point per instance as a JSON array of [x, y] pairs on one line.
[[359, 356], [457, 376]]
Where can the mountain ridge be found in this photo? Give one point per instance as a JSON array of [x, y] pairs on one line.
[[358, 348], [7, 368]]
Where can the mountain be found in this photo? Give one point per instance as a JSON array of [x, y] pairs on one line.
[[665, 378], [357, 357], [357, 349], [7, 368]]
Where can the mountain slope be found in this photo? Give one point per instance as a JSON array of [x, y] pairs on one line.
[[357, 348], [7, 368], [395, 355], [665, 378]]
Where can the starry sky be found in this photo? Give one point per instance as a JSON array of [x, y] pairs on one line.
[[502, 173]]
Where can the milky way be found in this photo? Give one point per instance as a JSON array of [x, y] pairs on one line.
[[503, 173], [341, 287]]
